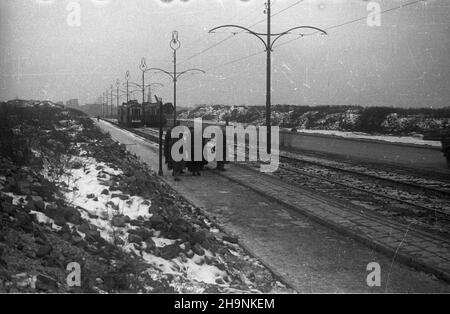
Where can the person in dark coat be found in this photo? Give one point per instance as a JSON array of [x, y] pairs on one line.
[[167, 149], [178, 166], [221, 163], [194, 166]]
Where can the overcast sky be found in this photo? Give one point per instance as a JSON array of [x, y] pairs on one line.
[[404, 62]]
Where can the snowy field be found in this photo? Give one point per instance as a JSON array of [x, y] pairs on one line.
[[386, 138]]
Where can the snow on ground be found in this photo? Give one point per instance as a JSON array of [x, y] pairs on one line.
[[386, 138], [85, 187], [355, 135], [45, 220]]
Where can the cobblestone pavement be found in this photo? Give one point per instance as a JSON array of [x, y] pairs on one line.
[[286, 236]]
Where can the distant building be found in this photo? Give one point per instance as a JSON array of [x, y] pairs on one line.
[[72, 103], [92, 109]]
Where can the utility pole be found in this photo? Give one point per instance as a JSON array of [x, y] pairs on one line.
[[106, 103], [149, 94], [268, 83], [175, 44], [269, 45], [127, 77], [118, 96], [111, 112]]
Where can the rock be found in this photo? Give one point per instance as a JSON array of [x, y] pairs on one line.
[[230, 239], [76, 239], [186, 246], [72, 215], [220, 281], [198, 237], [142, 232], [220, 266], [115, 282], [92, 216], [190, 253], [23, 219], [156, 221], [149, 245], [209, 260], [123, 197], [119, 241], [93, 234], [170, 251], [198, 249], [39, 205], [118, 221], [24, 187], [46, 283], [136, 223], [134, 238], [51, 210], [44, 250], [60, 221], [105, 192], [84, 227], [77, 164], [112, 205], [8, 208], [92, 195]]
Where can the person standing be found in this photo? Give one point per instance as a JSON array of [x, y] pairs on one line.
[[221, 163], [178, 166], [167, 149]]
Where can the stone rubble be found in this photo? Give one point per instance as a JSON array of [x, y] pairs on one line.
[[41, 231]]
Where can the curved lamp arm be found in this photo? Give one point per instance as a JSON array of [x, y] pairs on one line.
[[151, 84], [187, 71], [161, 70], [135, 84], [249, 31], [293, 29]]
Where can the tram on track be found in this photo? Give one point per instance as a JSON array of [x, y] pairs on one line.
[[133, 114]]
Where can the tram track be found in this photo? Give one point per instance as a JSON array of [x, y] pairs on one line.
[[358, 193], [414, 246]]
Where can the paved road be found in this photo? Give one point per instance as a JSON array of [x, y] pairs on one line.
[[310, 257], [428, 158], [383, 152]]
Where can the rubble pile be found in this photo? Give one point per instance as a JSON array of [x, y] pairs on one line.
[[79, 197]]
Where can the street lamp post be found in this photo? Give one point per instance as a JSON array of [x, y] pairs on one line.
[[175, 45], [160, 103], [269, 45], [143, 68], [140, 87]]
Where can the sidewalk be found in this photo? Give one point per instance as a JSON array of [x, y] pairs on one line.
[[307, 255]]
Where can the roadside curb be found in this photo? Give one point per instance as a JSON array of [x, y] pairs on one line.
[[376, 245]]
